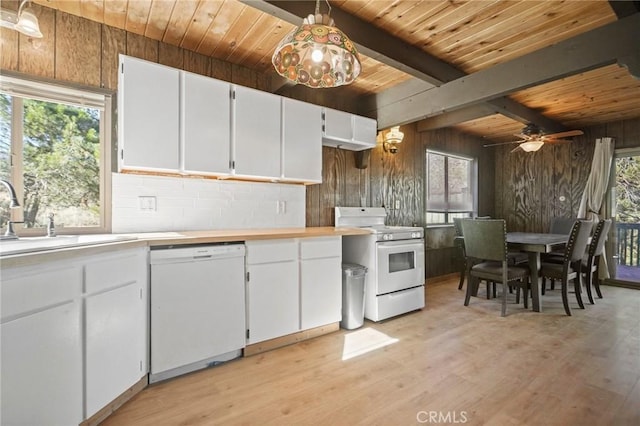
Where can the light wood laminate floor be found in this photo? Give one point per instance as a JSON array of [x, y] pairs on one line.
[[450, 362]]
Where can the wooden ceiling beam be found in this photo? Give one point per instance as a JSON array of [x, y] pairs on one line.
[[615, 42], [625, 8], [383, 47]]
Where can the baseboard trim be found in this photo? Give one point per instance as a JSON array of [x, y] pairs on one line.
[[290, 339], [99, 417]]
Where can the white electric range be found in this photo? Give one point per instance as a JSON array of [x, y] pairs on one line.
[[394, 257]]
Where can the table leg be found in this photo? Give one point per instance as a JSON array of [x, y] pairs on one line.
[[534, 265]]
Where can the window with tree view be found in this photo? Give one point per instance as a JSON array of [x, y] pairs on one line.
[[51, 149], [450, 187]]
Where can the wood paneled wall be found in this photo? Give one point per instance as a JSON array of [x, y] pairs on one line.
[[390, 177], [531, 188]]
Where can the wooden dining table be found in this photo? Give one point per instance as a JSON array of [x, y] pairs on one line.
[[534, 244]]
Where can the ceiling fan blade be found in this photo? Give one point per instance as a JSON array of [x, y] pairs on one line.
[[565, 134], [559, 141], [516, 148], [501, 143]]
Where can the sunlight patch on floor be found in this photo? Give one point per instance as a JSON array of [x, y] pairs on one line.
[[364, 340]]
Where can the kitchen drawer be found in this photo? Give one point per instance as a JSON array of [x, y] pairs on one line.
[[399, 302], [270, 251], [115, 271], [37, 290], [314, 248]]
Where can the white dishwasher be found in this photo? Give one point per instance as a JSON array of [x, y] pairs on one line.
[[197, 307]]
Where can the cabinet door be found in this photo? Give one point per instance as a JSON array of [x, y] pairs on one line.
[[337, 125], [42, 368], [364, 130], [320, 281], [206, 124], [257, 136], [272, 289], [302, 141], [116, 325], [115, 335], [148, 115], [273, 300]]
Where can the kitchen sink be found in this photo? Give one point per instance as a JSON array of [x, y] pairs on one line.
[[35, 244]]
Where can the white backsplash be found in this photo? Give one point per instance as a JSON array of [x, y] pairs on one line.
[[188, 204]]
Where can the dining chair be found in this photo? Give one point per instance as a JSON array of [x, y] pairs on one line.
[[562, 225], [590, 263], [487, 240], [463, 270], [569, 270], [459, 242]]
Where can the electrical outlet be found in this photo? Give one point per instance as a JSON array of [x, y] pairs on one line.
[[147, 202], [281, 207]]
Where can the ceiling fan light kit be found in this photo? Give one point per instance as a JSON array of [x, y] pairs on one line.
[[23, 21], [317, 54], [532, 138], [531, 146]]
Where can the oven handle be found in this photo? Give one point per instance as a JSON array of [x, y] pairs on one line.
[[413, 244]]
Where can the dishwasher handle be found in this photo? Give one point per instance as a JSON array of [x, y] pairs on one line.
[[197, 253]]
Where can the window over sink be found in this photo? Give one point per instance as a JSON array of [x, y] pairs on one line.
[[451, 187], [54, 149]]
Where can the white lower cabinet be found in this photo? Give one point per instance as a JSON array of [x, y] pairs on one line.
[[42, 368], [54, 312], [115, 326], [272, 289], [320, 281], [293, 285]]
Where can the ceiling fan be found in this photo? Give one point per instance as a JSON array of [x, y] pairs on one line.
[[532, 138]]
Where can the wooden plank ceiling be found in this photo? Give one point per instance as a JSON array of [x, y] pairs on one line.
[[471, 36]]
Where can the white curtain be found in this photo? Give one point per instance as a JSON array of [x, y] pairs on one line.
[[596, 187]]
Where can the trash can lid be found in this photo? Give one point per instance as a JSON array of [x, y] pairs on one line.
[[353, 269]]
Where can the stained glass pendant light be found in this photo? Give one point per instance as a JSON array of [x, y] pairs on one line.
[[317, 54]]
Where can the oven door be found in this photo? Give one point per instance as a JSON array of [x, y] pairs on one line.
[[400, 265]]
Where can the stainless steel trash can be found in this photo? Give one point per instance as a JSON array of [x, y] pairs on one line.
[[353, 276]]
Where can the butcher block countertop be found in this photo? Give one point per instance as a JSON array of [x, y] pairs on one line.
[[171, 238], [228, 235]]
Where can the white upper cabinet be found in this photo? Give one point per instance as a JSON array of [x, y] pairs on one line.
[[348, 131], [205, 110], [175, 121], [364, 131], [257, 133], [148, 115], [337, 125], [301, 141]]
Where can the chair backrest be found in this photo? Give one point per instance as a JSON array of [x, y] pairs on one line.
[[562, 225], [578, 240], [457, 225], [485, 239], [599, 236]]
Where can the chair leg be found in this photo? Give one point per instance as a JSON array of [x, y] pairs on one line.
[[596, 284], [517, 294], [578, 290], [494, 289], [461, 280], [504, 299], [471, 283], [588, 285], [525, 293], [565, 297], [543, 285]]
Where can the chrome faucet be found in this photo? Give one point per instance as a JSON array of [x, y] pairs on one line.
[[10, 233]]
